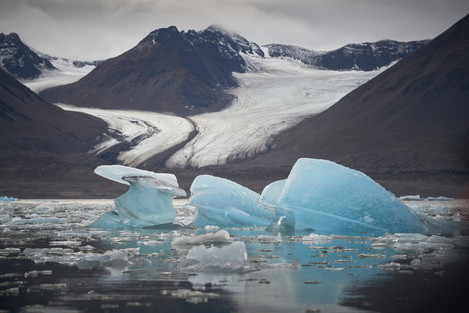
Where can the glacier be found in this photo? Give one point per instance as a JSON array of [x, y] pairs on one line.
[[148, 202]]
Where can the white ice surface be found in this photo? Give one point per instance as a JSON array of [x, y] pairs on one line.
[[66, 73], [160, 131], [275, 97]]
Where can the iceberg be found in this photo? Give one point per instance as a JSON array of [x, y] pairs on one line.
[[148, 202], [224, 203], [329, 198], [318, 195]]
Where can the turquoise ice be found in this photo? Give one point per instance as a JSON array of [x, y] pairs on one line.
[[148, 202], [224, 203], [318, 195], [329, 198]]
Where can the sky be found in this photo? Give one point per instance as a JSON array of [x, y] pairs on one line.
[[100, 29]]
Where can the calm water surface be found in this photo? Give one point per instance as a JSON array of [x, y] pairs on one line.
[[50, 261]]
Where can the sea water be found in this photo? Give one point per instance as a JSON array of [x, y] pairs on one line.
[[50, 260]]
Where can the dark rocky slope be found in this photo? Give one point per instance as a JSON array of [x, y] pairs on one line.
[[43, 149]]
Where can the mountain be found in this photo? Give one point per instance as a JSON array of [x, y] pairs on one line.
[[366, 56], [25, 64], [168, 71], [41, 144], [410, 123], [19, 60], [191, 72]]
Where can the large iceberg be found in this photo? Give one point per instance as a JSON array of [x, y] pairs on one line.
[[148, 202], [330, 198], [318, 195], [224, 203]]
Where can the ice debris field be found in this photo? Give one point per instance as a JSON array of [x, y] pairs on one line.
[[304, 244]]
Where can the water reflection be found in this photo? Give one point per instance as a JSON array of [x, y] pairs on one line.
[[50, 260]]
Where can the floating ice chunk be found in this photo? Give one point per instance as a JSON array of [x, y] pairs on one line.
[[111, 258], [224, 203], [316, 239], [211, 228], [413, 198], [439, 199], [330, 198], [4, 217], [233, 257], [8, 199], [148, 202], [219, 236]]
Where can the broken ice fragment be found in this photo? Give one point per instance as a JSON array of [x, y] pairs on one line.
[[219, 236], [148, 202]]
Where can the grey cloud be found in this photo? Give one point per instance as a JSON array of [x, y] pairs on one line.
[[90, 29]]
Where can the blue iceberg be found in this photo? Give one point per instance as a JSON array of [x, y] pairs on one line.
[[148, 202], [318, 195], [224, 203], [330, 198]]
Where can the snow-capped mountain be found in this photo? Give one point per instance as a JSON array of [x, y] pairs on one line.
[[366, 56], [27, 65], [19, 60], [192, 72], [168, 71]]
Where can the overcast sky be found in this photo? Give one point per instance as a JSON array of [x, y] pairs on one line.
[[93, 29]]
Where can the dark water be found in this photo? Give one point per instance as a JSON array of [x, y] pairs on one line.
[[50, 261]]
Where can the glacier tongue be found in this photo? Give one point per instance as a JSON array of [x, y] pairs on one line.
[[148, 202], [274, 96]]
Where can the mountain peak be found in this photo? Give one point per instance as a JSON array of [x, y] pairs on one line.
[[10, 38], [19, 60]]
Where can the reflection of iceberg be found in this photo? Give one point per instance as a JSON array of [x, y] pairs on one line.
[[318, 195], [148, 202], [224, 203]]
